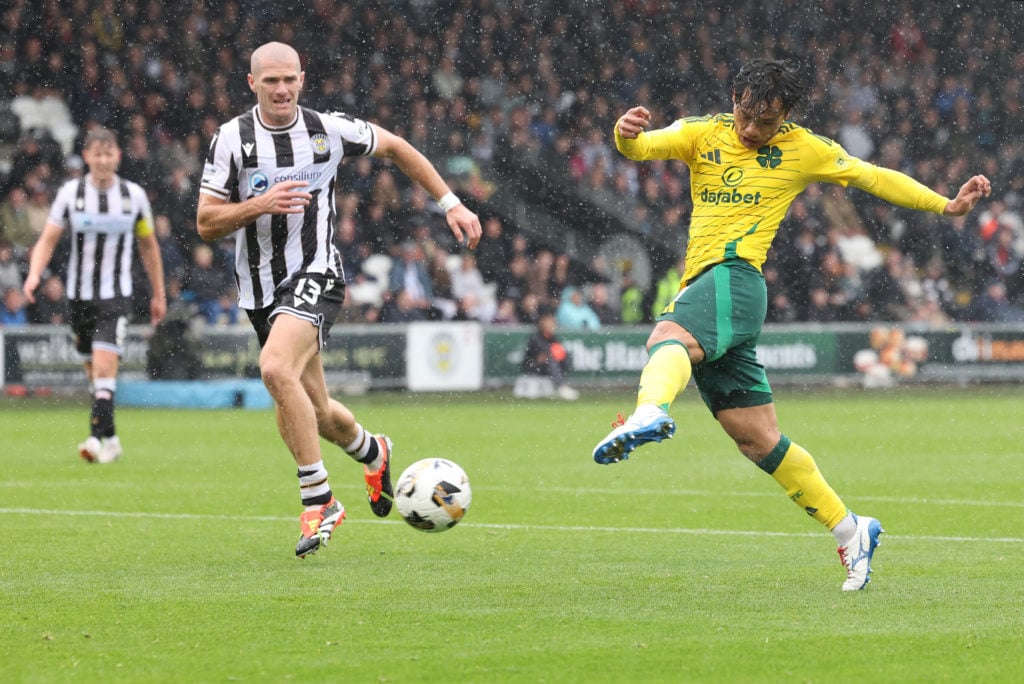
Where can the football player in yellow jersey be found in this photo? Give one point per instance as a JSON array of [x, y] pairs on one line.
[[746, 168]]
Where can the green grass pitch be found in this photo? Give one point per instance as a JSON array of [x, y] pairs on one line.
[[684, 564]]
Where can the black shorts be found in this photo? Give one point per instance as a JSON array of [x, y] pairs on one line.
[[99, 324], [313, 297]]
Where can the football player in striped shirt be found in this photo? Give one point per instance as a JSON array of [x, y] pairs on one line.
[[746, 168], [270, 179], [105, 214]]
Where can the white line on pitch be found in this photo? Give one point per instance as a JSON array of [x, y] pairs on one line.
[[498, 526], [625, 490]]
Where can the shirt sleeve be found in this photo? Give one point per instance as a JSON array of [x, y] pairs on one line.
[[358, 138], [61, 205], [672, 142], [824, 160], [899, 189], [217, 179], [144, 216], [829, 162]]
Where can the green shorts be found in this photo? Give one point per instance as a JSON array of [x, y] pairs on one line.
[[724, 309]]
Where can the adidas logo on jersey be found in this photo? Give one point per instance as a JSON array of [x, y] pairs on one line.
[[713, 156]]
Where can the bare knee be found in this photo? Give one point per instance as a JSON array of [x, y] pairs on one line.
[[754, 430], [276, 372], [103, 365], [756, 445], [666, 331]]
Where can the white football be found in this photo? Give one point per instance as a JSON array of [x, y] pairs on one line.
[[433, 494]]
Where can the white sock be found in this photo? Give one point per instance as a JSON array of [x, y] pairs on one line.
[[845, 531], [313, 485], [647, 411], [360, 446]]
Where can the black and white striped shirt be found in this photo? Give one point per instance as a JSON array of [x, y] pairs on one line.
[[103, 226], [247, 157]]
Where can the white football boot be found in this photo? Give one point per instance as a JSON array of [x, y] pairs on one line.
[[647, 424], [856, 555], [111, 450], [91, 449]]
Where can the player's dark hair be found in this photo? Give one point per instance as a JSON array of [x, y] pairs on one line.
[[768, 79]]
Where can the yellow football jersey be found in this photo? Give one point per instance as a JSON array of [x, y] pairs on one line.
[[740, 195]]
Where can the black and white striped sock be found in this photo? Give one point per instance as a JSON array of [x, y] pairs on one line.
[[365, 449], [313, 485]]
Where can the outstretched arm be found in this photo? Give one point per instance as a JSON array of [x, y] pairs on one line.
[[413, 164], [904, 191], [634, 141], [970, 192]]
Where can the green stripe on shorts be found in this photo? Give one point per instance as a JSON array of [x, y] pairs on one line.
[[723, 311]]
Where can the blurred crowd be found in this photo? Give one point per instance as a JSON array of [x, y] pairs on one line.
[[930, 88]]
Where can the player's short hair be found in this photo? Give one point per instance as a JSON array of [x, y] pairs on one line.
[[103, 136], [769, 79]]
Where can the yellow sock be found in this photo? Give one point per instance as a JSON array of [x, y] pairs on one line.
[[795, 469], [667, 371]]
